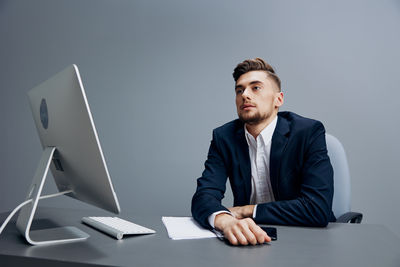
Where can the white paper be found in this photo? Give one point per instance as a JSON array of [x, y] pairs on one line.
[[185, 228]]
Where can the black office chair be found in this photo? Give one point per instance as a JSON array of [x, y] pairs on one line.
[[342, 188]]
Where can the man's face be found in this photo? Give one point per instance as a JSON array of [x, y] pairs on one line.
[[257, 97]]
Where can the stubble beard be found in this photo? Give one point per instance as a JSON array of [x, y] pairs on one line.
[[254, 119]]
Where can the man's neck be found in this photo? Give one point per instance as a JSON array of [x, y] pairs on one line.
[[256, 129]]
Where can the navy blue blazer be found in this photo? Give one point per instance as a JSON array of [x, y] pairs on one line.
[[300, 171]]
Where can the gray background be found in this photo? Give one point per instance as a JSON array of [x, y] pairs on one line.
[[158, 79]]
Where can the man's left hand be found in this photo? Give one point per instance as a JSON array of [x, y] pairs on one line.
[[241, 212]]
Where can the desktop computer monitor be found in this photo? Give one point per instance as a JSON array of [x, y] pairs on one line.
[[71, 150]]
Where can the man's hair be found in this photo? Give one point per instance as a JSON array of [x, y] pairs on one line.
[[256, 64]]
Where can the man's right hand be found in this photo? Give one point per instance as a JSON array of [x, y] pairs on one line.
[[240, 231]]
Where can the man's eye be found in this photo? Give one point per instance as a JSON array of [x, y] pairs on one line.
[[256, 87], [239, 91]]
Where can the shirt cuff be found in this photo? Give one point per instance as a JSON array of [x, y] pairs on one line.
[[211, 218], [255, 211]]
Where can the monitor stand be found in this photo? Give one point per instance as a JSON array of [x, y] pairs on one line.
[[45, 236]]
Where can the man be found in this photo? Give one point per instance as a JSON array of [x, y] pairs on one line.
[[277, 164]]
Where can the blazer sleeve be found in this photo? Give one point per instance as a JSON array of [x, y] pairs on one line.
[[211, 186], [313, 206]]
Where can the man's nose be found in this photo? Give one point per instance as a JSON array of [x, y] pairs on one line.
[[246, 93]]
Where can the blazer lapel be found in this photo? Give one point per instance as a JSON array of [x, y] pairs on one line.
[[244, 161], [278, 145]]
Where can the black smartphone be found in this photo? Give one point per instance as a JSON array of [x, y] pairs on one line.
[[271, 232]]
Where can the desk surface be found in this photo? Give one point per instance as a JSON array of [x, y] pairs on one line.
[[336, 245]]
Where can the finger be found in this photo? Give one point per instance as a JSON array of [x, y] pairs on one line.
[[248, 234], [267, 237], [237, 231], [259, 233], [231, 238]]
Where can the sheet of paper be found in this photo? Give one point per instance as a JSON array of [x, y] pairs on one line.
[[185, 228]]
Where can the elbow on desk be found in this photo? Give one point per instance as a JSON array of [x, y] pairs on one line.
[[319, 213], [319, 219], [320, 223]]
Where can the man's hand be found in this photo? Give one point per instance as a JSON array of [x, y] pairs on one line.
[[241, 212], [240, 231]]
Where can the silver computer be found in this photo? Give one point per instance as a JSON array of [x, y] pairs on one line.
[[71, 150]]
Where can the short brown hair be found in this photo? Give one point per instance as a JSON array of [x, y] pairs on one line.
[[255, 64]]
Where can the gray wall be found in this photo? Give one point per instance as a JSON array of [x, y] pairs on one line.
[[158, 80]]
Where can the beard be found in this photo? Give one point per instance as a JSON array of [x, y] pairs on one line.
[[253, 119]]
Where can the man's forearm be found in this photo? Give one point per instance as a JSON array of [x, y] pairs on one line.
[[297, 211]]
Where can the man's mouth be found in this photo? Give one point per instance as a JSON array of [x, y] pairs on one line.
[[247, 106]]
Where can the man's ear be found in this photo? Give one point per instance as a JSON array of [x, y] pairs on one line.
[[278, 99]]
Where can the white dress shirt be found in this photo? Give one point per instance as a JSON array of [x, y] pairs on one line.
[[259, 152]]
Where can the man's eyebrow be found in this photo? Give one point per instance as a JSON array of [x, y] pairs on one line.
[[251, 83], [255, 82]]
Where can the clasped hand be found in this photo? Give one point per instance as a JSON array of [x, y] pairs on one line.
[[240, 229]]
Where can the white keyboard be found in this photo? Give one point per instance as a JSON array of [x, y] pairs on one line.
[[116, 227]]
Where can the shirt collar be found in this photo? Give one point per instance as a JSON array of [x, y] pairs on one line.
[[266, 133]]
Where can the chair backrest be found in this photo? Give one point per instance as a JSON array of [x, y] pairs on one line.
[[341, 176]]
